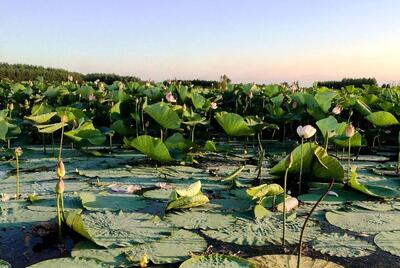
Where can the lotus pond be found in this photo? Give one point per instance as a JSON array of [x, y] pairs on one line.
[[166, 175]]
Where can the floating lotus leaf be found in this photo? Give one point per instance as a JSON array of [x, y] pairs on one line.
[[216, 260], [233, 124], [69, 263], [162, 113], [389, 241], [152, 147], [4, 264], [188, 201], [109, 229], [342, 245], [290, 261], [158, 194], [49, 204], [15, 218], [263, 232], [190, 190], [112, 202], [232, 204], [374, 205], [111, 256], [175, 248], [382, 119], [200, 220], [343, 196], [365, 221]]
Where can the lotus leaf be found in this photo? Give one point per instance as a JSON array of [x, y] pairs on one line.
[[382, 119], [233, 124], [69, 263], [164, 115], [112, 202], [200, 220], [389, 242], [290, 261], [216, 260], [152, 147]]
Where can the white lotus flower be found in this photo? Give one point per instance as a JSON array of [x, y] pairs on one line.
[[306, 132], [214, 105]]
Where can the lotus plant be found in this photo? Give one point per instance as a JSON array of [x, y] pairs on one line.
[[18, 153], [305, 132], [170, 98], [350, 132], [64, 120], [398, 161], [60, 192], [289, 162]]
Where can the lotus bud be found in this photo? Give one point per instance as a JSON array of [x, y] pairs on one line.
[[306, 132], [289, 161], [350, 131], [60, 169], [214, 105], [18, 151], [295, 104], [337, 110], [250, 94], [170, 98], [60, 187], [144, 260], [92, 97], [290, 203], [11, 106], [30, 83]]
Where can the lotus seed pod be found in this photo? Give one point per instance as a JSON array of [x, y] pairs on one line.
[[60, 187], [289, 161], [350, 131], [18, 151], [60, 169]]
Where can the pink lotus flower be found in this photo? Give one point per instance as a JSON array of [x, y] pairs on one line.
[[170, 98], [306, 132], [214, 105], [92, 97], [350, 131], [337, 110], [60, 187]]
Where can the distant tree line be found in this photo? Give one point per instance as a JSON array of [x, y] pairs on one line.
[[357, 82], [25, 72]]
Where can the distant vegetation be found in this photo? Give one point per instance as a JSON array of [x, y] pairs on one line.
[[357, 82]]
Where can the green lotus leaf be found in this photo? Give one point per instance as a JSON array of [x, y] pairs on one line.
[[308, 156], [8, 130], [389, 242], [261, 212], [69, 262], [290, 261], [122, 129], [162, 113], [177, 142], [109, 229], [363, 108], [16, 218], [343, 196], [187, 201], [172, 249], [112, 202], [327, 125], [86, 132], [200, 220], [364, 221], [158, 194], [342, 245], [216, 260], [211, 146], [264, 190], [42, 118], [50, 128], [343, 141], [190, 190], [198, 100], [233, 124], [382, 119], [372, 190], [152, 147], [49, 204], [263, 232], [373, 205], [326, 167], [324, 98]]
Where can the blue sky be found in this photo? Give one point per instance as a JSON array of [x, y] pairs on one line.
[[260, 41]]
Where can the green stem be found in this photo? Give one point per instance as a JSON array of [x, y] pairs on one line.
[[44, 143], [301, 164], [61, 142], [110, 138], [307, 219], [193, 133], [284, 206], [326, 141], [52, 145], [59, 216], [161, 134], [17, 186], [348, 161], [398, 164]]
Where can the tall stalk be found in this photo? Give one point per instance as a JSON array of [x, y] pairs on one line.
[[306, 221], [18, 153], [301, 164], [289, 163], [61, 141], [348, 161]]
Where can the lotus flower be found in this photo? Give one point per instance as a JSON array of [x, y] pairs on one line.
[[306, 132], [214, 105], [60, 169], [250, 94], [92, 97], [18, 151], [70, 78], [170, 98], [337, 110], [350, 131]]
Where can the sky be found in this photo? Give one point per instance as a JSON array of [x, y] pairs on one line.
[[262, 41]]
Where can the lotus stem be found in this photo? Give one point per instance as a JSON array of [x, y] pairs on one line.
[[8, 144], [44, 143], [61, 142], [326, 141], [306, 221], [348, 161], [59, 215], [110, 140], [284, 205], [17, 183], [301, 164], [193, 133], [398, 164], [52, 144], [161, 134]]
